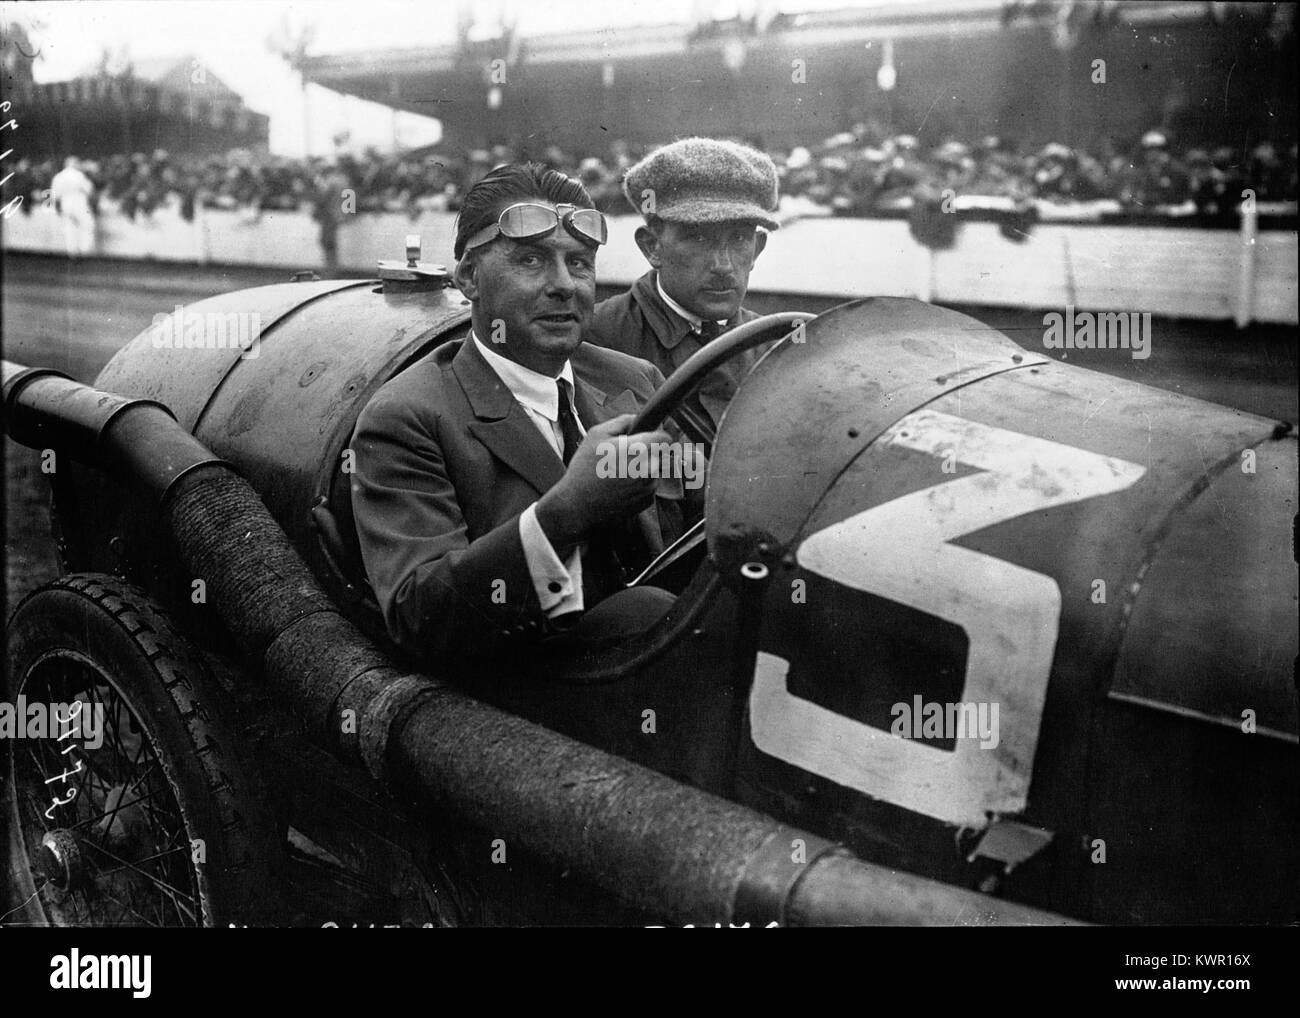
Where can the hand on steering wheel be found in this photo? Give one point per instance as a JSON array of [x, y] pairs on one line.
[[668, 400]]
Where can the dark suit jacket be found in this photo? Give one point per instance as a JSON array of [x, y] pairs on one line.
[[446, 461], [639, 323]]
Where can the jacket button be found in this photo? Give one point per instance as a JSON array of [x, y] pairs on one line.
[[554, 586]]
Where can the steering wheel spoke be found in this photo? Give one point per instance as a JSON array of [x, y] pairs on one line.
[[684, 545]]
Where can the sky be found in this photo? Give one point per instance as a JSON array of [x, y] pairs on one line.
[[231, 37]]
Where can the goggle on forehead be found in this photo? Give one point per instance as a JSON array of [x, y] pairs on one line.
[[531, 220]]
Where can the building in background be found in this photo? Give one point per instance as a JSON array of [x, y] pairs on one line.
[[177, 104]]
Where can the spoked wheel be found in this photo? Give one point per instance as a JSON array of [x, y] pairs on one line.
[[127, 797]]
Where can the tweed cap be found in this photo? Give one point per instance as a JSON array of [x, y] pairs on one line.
[[700, 180]]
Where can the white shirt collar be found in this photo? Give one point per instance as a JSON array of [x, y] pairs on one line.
[[533, 389], [695, 320]]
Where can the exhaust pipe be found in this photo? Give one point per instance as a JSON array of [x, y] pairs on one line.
[[656, 845]]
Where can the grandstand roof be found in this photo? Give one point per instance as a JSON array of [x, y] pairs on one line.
[[407, 77], [723, 77]]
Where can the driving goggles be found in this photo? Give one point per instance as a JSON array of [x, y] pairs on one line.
[[530, 220]]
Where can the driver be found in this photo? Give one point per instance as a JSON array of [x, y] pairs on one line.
[[481, 513], [703, 202]]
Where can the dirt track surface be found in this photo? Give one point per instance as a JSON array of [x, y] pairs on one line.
[[74, 317]]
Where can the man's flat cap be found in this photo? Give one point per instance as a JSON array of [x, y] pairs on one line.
[[700, 180]]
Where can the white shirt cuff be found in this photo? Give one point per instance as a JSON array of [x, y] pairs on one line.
[[558, 584]]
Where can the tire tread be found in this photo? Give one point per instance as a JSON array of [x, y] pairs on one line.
[[180, 671]]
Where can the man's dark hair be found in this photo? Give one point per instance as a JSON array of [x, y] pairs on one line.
[[511, 183]]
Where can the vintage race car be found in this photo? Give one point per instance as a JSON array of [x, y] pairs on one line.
[[967, 635]]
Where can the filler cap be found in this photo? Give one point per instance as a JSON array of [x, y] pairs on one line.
[[412, 274]]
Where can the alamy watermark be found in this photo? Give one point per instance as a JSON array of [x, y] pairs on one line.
[[679, 460], [1107, 330], [77, 971], [952, 721], [210, 330], [37, 720]]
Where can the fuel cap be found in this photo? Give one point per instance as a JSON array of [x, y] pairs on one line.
[[412, 274]]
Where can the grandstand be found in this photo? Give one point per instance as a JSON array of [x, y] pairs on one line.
[[957, 187], [859, 172], [963, 68]]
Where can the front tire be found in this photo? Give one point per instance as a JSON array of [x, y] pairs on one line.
[[159, 820]]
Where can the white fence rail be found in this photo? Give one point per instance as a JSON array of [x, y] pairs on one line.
[[1183, 272]]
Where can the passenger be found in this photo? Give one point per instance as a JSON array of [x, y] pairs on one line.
[[703, 202], [479, 507]]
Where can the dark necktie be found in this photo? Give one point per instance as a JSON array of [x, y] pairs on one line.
[[568, 422], [708, 331]]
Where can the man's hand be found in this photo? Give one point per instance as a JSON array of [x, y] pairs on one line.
[[583, 499]]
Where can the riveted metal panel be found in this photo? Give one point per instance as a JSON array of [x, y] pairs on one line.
[[282, 416], [808, 409], [157, 364], [1213, 633], [285, 417]]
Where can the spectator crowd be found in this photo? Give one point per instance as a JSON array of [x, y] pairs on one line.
[[862, 172]]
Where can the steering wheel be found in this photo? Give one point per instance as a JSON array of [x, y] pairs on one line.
[[704, 361], [669, 397]]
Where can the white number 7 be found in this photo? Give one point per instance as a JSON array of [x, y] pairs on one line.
[[899, 551]]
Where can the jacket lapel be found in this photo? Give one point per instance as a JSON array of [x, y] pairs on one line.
[[669, 328], [501, 423], [595, 406], [503, 426]]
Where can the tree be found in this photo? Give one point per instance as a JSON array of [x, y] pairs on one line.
[[17, 54]]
